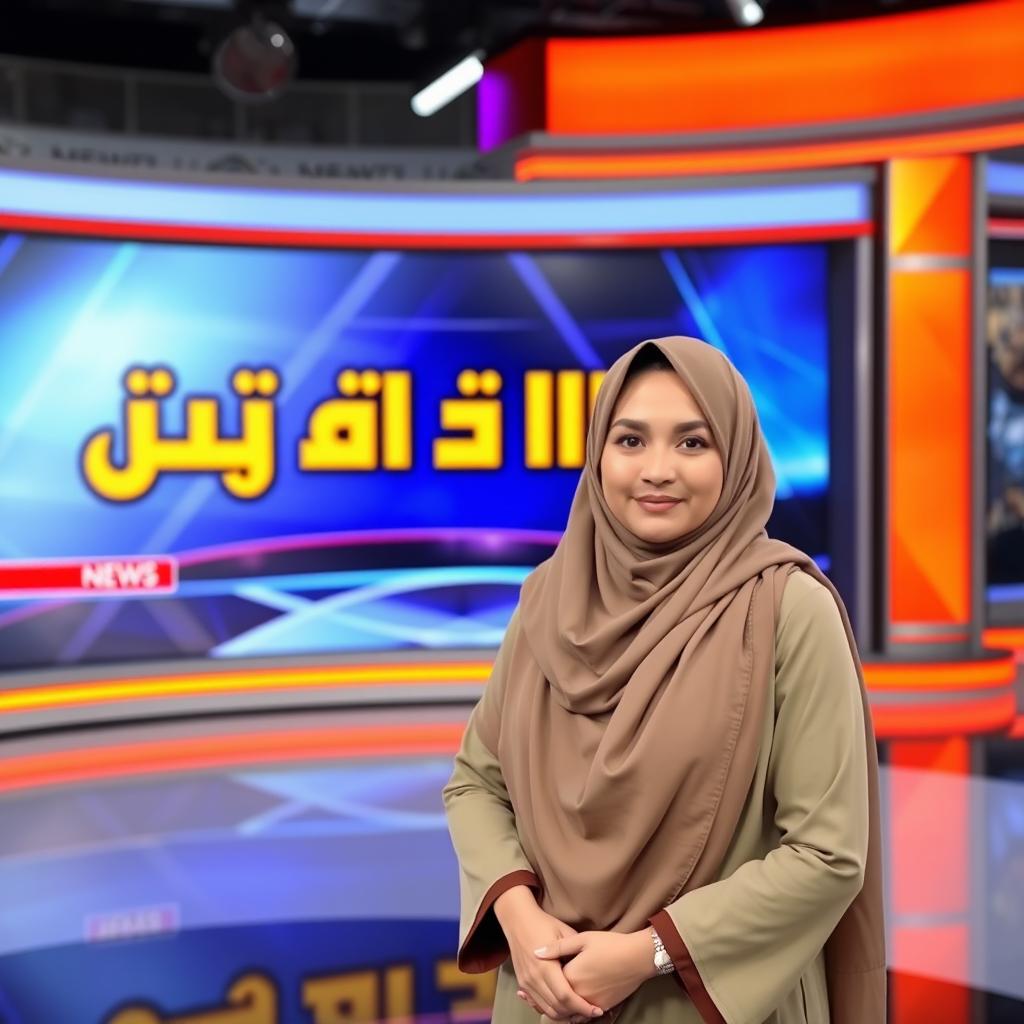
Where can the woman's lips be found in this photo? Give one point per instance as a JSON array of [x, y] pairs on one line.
[[652, 505]]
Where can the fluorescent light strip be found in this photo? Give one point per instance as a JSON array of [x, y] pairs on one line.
[[26, 193], [454, 82]]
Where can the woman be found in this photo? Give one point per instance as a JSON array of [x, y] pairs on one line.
[[674, 747]]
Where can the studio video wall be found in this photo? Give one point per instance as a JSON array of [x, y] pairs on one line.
[[242, 452], [1005, 498]]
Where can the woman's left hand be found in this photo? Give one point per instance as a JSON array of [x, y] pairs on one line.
[[606, 967]]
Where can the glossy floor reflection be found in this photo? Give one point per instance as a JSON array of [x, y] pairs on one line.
[[325, 891]]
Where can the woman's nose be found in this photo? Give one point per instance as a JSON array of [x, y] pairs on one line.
[[658, 468]]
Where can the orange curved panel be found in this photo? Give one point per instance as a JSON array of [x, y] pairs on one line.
[[922, 677], [37, 698], [670, 163], [995, 714], [1011, 637], [951, 57]]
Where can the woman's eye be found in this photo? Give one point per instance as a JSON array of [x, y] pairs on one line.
[[692, 443]]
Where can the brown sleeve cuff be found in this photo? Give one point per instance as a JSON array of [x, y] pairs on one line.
[[686, 970], [485, 946]]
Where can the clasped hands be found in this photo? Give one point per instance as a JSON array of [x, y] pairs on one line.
[[605, 968]]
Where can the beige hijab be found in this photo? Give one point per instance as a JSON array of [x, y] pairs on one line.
[[638, 676]]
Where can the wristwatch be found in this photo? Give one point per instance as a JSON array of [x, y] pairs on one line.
[[662, 961]]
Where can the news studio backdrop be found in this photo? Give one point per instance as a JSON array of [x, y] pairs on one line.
[[276, 458]]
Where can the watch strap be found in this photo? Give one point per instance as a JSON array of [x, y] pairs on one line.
[[662, 958]]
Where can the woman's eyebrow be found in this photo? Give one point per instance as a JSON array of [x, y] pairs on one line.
[[642, 425]]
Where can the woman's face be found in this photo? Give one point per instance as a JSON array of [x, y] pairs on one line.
[[660, 470]]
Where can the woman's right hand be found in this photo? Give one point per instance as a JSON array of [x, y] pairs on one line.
[[527, 928]]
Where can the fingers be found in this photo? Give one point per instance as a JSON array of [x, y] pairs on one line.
[[529, 1000], [576, 1018], [568, 946], [551, 995], [543, 984], [539, 1007], [538, 995], [562, 997]]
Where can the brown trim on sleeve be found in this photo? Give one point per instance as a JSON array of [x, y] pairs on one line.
[[485, 946], [686, 970]]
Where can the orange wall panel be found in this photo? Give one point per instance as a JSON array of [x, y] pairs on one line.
[[929, 445], [933, 212]]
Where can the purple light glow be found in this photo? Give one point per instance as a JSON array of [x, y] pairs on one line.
[[494, 115]]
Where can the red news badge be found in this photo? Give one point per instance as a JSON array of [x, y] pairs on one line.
[[112, 576]]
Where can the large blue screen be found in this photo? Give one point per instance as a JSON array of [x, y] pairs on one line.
[[293, 434]]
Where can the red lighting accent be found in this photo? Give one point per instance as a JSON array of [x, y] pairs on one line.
[[350, 240], [195, 753]]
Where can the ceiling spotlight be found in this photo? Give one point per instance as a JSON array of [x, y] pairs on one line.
[[255, 62], [454, 82], [414, 36], [745, 12]]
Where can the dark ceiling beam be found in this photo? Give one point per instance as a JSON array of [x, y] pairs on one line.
[[171, 36]]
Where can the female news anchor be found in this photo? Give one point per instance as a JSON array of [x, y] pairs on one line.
[[665, 805]]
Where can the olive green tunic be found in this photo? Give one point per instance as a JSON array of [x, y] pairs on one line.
[[751, 942]]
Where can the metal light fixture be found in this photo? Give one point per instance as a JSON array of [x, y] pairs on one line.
[[255, 61], [745, 12]]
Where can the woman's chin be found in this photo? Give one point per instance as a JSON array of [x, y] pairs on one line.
[[658, 533]]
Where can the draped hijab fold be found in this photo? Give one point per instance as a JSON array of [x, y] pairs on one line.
[[637, 681]]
